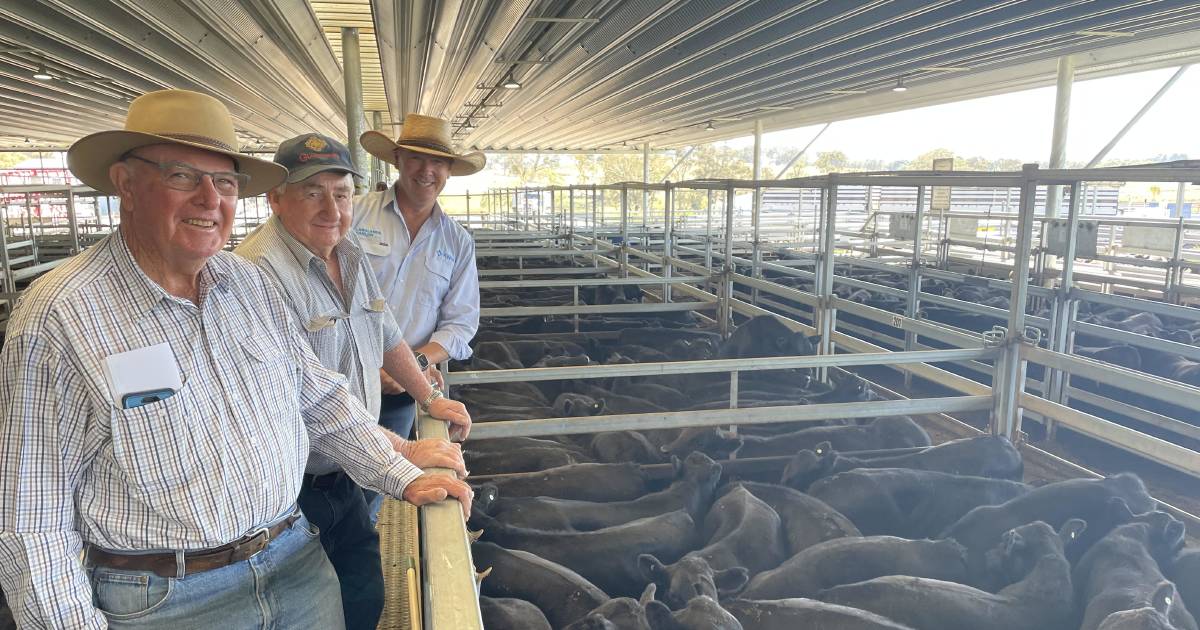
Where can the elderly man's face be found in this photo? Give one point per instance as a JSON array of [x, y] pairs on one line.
[[422, 176], [317, 211], [181, 228]]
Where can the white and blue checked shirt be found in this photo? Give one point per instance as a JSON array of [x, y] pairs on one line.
[[200, 469], [348, 334], [430, 282]]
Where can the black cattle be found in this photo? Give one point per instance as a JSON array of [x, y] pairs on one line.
[[561, 594], [909, 503], [498, 353], [521, 460], [1150, 617], [1041, 600], [798, 614], [695, 482], [585, 482], [988, 456], [618, 613], [700, 613], [742, 533], [511, 614], [849, 560], [610, 294], [1121, 571], [806, 520], [881, 433], [650, 337], [502, 445], [626, 446], [1123, 355], [605, 557], [1184, 570], [765, 336], [1092, 500]]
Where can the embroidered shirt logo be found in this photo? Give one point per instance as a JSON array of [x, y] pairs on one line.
[[441, 253]]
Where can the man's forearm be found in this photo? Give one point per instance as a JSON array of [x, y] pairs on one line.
[[401, 365], [434, 352]]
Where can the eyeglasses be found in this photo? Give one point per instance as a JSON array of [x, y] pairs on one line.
[[180, 176]]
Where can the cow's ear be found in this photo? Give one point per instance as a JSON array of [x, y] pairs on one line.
[[1173, 534], [824, 449], [658, 617], [730, 581], [1119, 510], [813, 339], [598, 407], [651, 568], [1163, 597], [648, 594], [676, 465], [569, 407], [1071, 530]]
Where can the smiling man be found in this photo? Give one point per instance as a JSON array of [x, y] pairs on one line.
[[424, 261], [157, 407], [325, 279]]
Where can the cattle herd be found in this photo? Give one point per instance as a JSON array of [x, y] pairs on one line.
[[843, 526]]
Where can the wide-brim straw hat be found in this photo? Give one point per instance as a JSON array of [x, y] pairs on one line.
[[170, 117], [423, 134]]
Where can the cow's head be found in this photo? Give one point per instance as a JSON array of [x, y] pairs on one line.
[[690, 577], [807, 466], [715, 442], [572, 405]]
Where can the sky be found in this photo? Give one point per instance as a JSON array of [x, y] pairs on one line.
[[1019, 124]]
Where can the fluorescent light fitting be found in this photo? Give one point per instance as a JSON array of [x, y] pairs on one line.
[[1104, 33], [41, 74], [945, 68], [845, 91], [709, 127], [510, 83], [900, 86], [775, 108]]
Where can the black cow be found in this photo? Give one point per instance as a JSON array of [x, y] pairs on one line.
[[507, 613], [1121, 571], [1089, 499], [849, 560], [806, 520], [983, 456], [1184, 570], [765, 336], [881, 433], [909, 503], [1150, 617], [798, 614], [695, 482], [605, 557], [521, 459], [562, 595], [1042, 600], [585, 482]]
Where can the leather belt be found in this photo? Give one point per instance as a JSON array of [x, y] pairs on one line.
[[164, 565], [323, 482]]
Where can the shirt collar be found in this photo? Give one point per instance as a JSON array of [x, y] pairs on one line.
[[435, 219], [345, 249], [145, 293]]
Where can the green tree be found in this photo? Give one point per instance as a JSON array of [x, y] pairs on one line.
[[924, 162], [9, 160], [832, 162], [534, 169]]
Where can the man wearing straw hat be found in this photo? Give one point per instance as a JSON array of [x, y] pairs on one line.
[[424, 261], [157, 407], [306, 248]]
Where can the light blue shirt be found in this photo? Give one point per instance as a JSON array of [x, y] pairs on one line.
[[430, 283]]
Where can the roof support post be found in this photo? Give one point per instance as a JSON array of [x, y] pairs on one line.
[[377, 174], [352, 77], [645, 191], [1058, 141], [756, 210]]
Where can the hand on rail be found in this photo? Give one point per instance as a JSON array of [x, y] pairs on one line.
[[431, 488], [434, 453], [388, 385], [454, 413]]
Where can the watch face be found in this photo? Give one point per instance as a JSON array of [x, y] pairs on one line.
[[422, 361]]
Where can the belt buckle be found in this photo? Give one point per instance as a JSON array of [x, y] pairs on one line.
[[265, 533]]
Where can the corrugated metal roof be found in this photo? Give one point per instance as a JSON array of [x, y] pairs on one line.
[[593, 73]]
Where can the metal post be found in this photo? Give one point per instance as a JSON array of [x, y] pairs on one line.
[[596, 210], [377, 173], [554, 224], [726, 310], [914, 279], [73, 221], [468, 210], [571, 217], [826, 315], [708, 236], [1058, 141], [624, 231], [645, 190], [1008, 380], [352, 81], [1175, 271], [755, 210], [668, 234], [1064, 306]]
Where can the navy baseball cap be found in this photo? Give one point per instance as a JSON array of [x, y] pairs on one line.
[[312, 153]]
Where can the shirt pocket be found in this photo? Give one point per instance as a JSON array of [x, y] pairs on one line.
[[270, 373], [371, 314], [436, 283], [152, 443], [375, 248]]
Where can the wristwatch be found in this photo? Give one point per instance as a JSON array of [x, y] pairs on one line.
[[422, 360], [434, 394]]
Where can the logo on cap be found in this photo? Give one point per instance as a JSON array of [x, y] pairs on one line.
[[315, 143]]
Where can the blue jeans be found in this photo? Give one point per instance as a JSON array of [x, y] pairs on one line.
[[290, 584], [336, 505], [396, 414]]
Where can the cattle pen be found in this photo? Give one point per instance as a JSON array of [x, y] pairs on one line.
[[709, 262]]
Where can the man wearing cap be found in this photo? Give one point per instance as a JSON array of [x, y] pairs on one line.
[[325, 280], [157, 407], [424, 261]]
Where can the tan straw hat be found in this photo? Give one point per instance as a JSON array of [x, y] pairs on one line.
[[423, 134], [170, 117]]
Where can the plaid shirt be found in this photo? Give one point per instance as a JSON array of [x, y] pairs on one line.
[[200, 469], [347, 334]]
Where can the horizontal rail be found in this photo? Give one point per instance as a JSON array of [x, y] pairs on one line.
[[585, 282], [717, 366], [450, 597], [1116, 376], [1134, 339], [717, 417], [1137, 413], [584, 309]]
